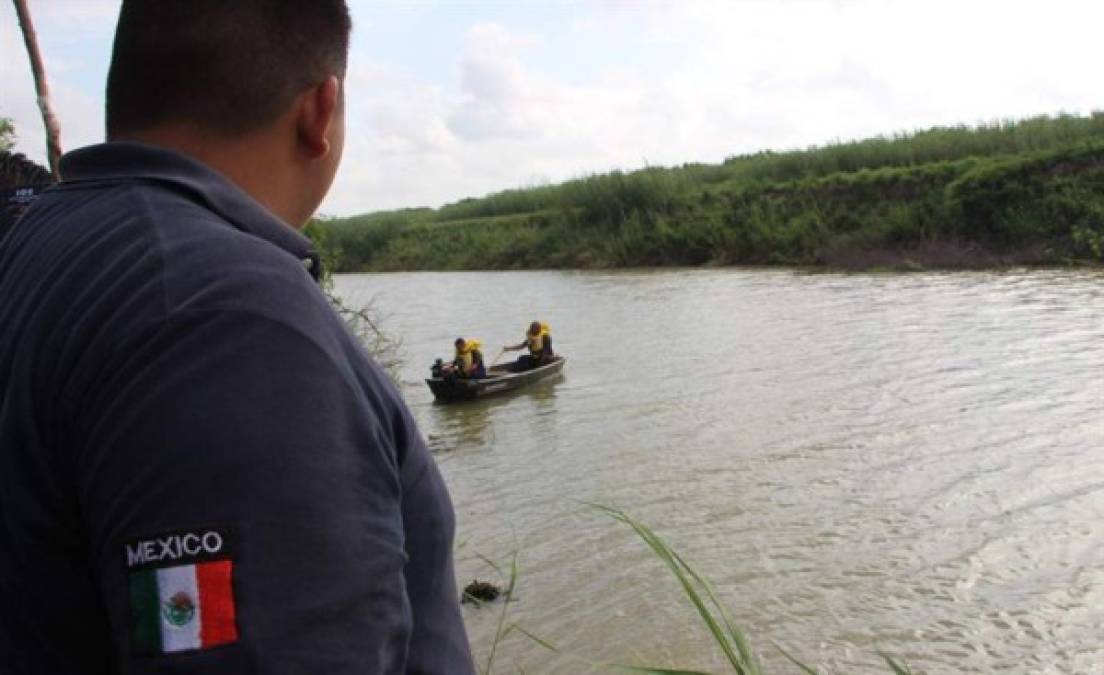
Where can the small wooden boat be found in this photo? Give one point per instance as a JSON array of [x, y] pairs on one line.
[[499, 379]]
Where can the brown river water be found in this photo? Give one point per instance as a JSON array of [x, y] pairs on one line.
[[858, 462]]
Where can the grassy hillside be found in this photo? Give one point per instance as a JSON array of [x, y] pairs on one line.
[[1013, 192]]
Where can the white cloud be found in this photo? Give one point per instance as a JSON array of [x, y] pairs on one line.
[[855, 68], [734, 77], [618, 84], [76, 14], [79, 113], [499, 98]]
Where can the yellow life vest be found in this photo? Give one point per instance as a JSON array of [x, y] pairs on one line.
[[536, 342], [471, 345]]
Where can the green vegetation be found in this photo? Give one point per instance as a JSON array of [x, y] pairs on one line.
[[7, 134], [1030, 192], [363, 321], [730, 639]]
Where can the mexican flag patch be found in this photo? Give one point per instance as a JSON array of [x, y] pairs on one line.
[[181, 607]]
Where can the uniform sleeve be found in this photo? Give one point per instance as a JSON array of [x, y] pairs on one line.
[[242, 426]]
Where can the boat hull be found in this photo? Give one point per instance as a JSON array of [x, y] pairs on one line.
[[499, 380]]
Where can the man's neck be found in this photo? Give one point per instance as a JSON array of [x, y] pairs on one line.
[[250, 161]]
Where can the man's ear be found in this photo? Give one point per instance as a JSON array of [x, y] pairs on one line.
[[318, 109]]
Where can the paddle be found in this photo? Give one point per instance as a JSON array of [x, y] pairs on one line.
[[500, 353]]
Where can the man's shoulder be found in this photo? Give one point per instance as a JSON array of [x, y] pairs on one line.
[[208, 261], [156, 251], [115, 215]]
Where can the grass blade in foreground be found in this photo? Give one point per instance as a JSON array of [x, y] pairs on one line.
[[794, 660], [898, 667], [731, 641], [507, 596], [658, 671]]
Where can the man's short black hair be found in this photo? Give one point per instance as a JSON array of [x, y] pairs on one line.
[[224, 65]]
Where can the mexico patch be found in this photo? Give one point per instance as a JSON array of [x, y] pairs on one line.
[[181, 592]]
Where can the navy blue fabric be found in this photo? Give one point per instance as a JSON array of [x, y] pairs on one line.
[[167, 362]]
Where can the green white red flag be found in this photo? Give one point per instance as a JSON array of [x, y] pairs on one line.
[[183, 608]]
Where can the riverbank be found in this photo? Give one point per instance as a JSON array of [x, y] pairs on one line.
[[1027, 192]]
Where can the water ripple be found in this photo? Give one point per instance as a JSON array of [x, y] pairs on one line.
[[908, 463]]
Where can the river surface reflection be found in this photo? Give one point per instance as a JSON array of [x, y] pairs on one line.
[[909, 463]]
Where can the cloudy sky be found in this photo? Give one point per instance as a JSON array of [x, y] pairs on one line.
[[451, 98]]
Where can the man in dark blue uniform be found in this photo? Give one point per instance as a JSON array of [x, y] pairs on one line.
[[200, 469]]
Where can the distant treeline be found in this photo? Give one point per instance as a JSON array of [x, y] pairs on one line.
[[1030, 191]]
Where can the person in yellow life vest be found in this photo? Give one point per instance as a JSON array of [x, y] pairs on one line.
[[539, 341], [469, 359]]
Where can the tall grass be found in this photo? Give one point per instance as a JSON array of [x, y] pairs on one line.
[[730, 639], [1026, 191], [1002, 137]]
